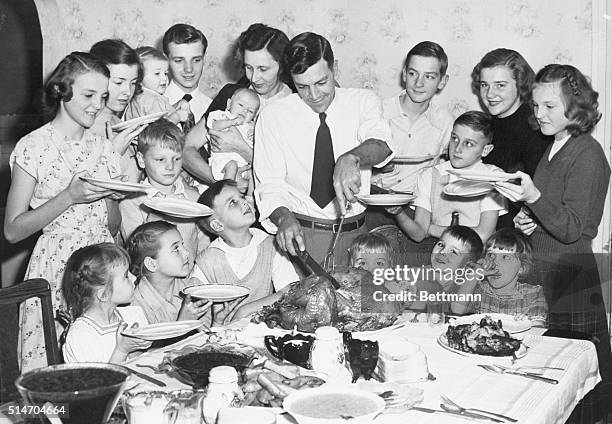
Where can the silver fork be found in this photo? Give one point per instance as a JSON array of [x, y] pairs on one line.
[[460, 408]]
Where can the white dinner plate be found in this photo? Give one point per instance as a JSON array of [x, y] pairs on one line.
[[468, 188], [385, 199], [443, 341], [117, 185], [217, 292], [490, 176], [146, 119], [509, 323], [178, 208], [163, 330], [413, 159]]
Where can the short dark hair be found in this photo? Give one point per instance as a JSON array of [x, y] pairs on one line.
[[521, 71], [260, 36], [207, 198], [114, 51], [58, 86], [512, 239], [477, 121], [429, 49], [183, 34], [305, 50], [467, 236], [579, 98]]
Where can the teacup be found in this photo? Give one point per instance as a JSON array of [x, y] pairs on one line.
[[292, 348]]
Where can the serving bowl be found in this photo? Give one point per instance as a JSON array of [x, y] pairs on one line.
[[88, 392], [333, 405], [192, 364]]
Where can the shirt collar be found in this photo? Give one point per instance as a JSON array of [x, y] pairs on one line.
[[149, 292], [175, 93], [178, 188], [427, 114], [258, 237]]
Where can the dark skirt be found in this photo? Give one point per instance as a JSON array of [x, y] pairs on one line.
[[572, 287]]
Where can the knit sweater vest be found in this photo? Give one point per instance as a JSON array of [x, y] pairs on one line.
[[217, 270]]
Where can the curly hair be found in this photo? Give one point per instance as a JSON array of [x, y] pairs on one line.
[[143, 243], [117, 52], [512, 239], [579, 98], [59, 84], [88, 269], [521, 71]]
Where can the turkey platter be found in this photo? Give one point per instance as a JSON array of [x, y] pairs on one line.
[[313, 302]]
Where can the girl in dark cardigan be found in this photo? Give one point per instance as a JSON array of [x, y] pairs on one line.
[[564, 205], [503, 81]]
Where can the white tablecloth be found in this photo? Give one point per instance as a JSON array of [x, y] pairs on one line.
[[459, 378]]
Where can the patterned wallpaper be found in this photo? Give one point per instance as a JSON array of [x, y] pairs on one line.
[[370, 37]]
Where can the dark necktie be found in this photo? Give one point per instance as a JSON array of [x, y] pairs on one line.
[[190, 122], [321, 186]]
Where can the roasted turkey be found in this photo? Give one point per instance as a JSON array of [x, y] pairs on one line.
[[313, 302], [487, 337]]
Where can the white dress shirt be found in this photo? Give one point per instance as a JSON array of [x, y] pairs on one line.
[[285, 134], [469, 208], [199, 101], [429, 134]]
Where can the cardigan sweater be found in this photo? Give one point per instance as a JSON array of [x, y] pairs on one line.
[[573, 186]]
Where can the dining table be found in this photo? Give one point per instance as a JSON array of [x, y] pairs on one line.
[[458, 375]]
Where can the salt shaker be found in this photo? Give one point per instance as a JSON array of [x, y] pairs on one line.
[[221, 392], [327, 355]]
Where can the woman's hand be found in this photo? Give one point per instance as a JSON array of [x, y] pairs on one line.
[[193, 309], [121, 141], [524, 222], [127, 344], [525, 192], [80, 191], [230, 140]]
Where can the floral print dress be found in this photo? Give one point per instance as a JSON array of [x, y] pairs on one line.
[[53, 161]]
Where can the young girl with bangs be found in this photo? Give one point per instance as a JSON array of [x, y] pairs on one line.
[[95, 283], [162, 266], [507, 259], [563, 208]]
